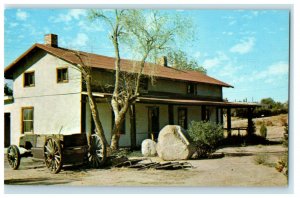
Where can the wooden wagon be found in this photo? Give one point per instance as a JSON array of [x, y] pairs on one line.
[[57, 150]]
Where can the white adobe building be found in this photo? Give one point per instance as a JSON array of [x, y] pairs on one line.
[[49, 96]]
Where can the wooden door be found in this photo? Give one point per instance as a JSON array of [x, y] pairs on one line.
[[6, 129], [153, 122]]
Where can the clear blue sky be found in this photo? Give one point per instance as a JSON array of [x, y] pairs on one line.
[[248, 49]]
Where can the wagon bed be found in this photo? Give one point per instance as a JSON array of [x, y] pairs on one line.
[[57, 150]]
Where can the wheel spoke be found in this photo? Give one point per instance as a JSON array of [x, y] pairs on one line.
[[13, 157], [53, 155]]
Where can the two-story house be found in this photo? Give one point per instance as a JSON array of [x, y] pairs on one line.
[[49, 96]]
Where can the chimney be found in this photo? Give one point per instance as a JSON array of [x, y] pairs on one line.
[[163, 61], [51, 40]]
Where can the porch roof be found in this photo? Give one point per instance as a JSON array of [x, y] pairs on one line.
[[184, 101], [197, 102]]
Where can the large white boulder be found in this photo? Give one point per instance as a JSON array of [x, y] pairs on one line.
[[149, 148], [174, 144]]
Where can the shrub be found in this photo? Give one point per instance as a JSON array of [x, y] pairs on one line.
[[206, 136], [285, 140], [282, 165], [259, 122], [263, 130], [283, 121]]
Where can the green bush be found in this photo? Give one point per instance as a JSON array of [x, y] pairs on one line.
[[263, 130], [206, 137]]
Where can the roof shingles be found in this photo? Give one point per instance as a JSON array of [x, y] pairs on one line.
[[104, 62]]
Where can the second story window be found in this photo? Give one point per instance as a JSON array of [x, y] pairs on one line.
[[62, 75], [192, 88], [29, 79]]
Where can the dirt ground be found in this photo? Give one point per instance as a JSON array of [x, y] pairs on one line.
[[238, 167]]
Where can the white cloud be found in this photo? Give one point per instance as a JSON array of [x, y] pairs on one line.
[[244, 46], [242, 32], [21, 15], [216, 61], [80, 40], [69, 16], [90, 27], [272, 73], [77, 13], [276, 69]]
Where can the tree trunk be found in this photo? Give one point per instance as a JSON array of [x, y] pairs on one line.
[[119, 119], [95, 115]]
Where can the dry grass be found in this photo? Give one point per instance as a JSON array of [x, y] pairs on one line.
[[275, 125], [261, 158]]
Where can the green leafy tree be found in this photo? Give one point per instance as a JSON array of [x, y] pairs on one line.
[[179, 59], [147, 33], [7, 90]]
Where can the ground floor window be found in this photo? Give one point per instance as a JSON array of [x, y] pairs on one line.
[[207, 115], [182, 117], [27, 119]]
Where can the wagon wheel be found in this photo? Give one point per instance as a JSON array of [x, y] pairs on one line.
[[95, 151], [13, 156], [53, 155]]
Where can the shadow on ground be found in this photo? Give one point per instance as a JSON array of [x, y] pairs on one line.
[[36, 181]]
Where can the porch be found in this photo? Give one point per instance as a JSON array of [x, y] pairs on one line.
[[148, 115]]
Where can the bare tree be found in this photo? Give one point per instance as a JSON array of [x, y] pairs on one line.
[[145, 32], [86, 76]]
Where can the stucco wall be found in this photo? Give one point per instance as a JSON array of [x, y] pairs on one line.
[[106, 120], [45, 77], [193, 113], [170, 86], [209, 90], [51, 114], [56, 105], [161, 85]]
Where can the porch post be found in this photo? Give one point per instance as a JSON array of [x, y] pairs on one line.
[[229, 121], [132, 126], [222, 121], [171, 114], [203, 113], [250, 122], [217, 115]]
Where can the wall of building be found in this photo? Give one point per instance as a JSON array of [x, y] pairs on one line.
[[45, 67], [193, 113], [168, 86], [56, 106], [105, 113], [142, 119], [209, 90], [105, 78]]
